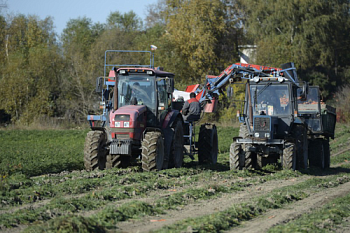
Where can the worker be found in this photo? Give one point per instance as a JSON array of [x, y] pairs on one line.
[[191, 109]]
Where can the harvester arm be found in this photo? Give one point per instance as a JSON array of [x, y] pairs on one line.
[[215, 85]]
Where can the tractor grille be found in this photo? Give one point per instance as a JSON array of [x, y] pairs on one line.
[[120, 147], [262, 124]]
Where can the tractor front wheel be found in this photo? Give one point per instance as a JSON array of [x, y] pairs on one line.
[[289, 156], [236, 157], [119, 161], [95, 151], [152, 151]]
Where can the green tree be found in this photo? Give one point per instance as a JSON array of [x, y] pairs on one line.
[[126, 22], [77, 87], [309, 33], [29, 72], [193, 28]]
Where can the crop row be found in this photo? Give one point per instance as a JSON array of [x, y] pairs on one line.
[[223, 220]]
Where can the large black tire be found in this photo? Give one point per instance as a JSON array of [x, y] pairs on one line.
[[243, 131], [95, 151], [119, 161], [249, 159], [236, 156], [301, 142], [289, 156], [327, 153], [317, 153], [152, 151], [208, 144], [177, 144]]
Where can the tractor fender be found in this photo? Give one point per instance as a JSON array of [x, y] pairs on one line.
[[106, 130], [170, 118]]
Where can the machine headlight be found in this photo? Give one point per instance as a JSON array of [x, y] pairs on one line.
[[280, 79], [256, 135], [126, 124], [256, 79], [117, 124], [267, 135]]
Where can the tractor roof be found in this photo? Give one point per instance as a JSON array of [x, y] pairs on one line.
[[156, 72]]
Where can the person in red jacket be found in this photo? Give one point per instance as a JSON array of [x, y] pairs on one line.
[[191, 109]]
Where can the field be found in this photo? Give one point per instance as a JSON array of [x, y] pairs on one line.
[[43, 188]]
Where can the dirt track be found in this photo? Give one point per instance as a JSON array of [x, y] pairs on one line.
[[275, 217], [259, 224]]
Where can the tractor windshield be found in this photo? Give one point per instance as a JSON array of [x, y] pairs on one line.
[[270, 99], [136, 90]]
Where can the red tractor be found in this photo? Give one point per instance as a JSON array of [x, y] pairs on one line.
[[139, 120]]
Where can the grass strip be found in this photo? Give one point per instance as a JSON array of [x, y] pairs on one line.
[[57, 207], [325, 219]]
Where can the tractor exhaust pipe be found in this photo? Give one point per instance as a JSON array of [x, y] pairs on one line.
[[115, 91], [250, 107]]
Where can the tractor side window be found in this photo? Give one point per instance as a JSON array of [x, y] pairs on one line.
[[162, 95], [311, 103]]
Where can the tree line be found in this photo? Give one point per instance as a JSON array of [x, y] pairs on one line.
[[43, 74]]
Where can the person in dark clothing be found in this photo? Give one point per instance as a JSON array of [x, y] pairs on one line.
[[191, 109]]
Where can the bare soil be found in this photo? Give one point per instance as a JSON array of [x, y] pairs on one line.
[[205, 207], [290, 212]]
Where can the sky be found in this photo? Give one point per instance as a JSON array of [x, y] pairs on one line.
[[64, 10]]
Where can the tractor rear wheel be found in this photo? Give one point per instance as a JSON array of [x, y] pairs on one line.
[[177, 153], [94, 150], [300, 135], [327, 153], [152, 151], [120, 161], [317, 153], [236, 156], [208, 144], [289, 156]]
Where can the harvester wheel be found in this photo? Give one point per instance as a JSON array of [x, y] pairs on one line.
[[208, 144], [152, 151], [289, 156], [327, 153], [120, 161], [300, 135], [236, 156], [177, 153], [94, 150], [317, 153]]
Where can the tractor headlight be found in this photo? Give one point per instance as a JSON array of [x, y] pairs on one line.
[[256, 135], [280, 79], [117, 124], [127, 124], [267, 135]]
